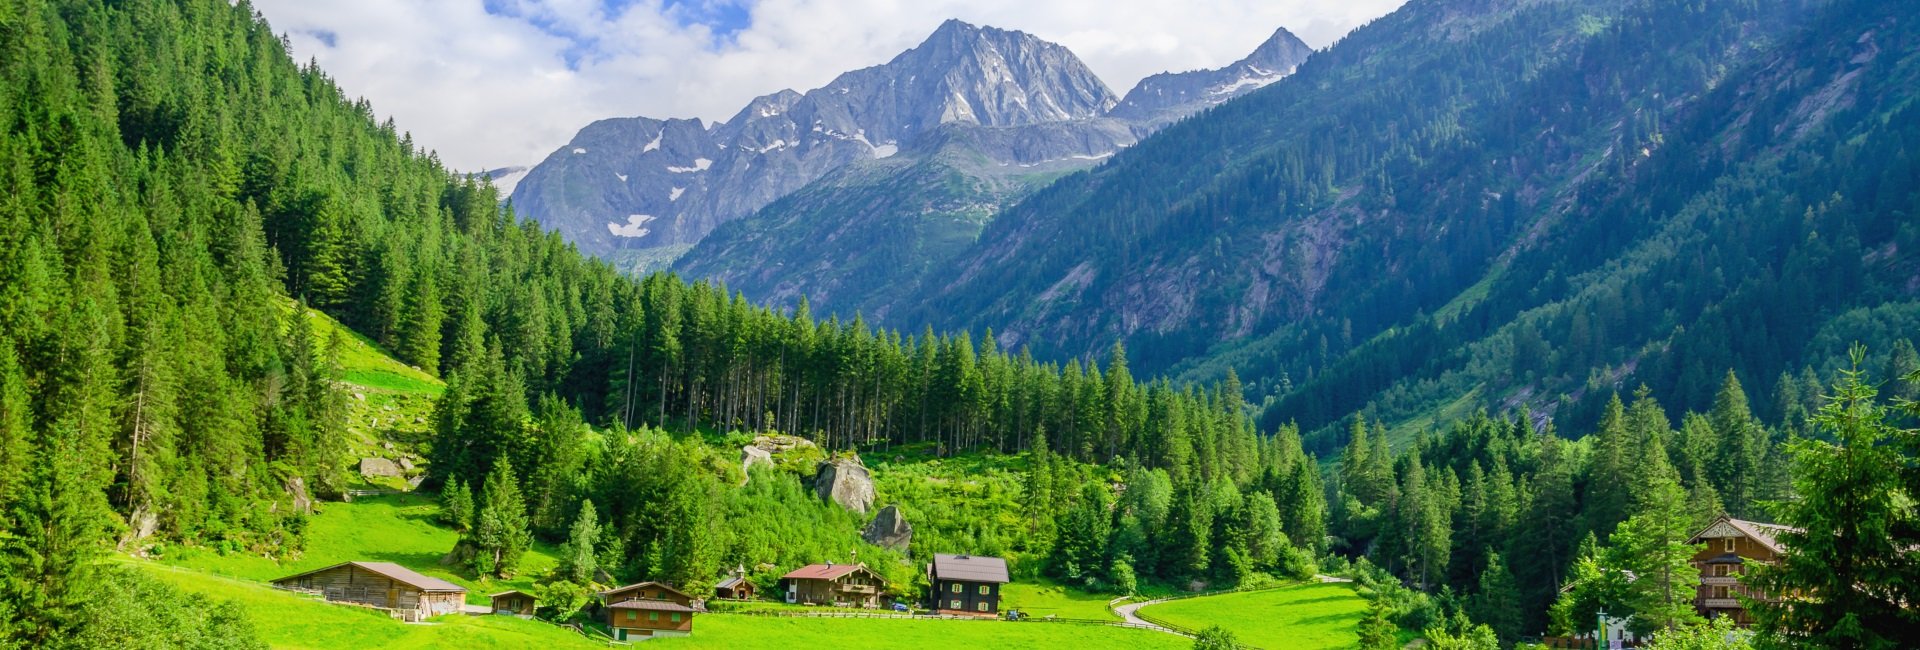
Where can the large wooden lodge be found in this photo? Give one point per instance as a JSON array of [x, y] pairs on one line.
[[649, 610], [384, 585], [1732, 547], [845, 585]]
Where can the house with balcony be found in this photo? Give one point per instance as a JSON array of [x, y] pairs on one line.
[[1731, 548], [841, 585], [649, 610]]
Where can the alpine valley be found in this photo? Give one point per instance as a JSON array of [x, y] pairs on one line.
[[1492, 324]]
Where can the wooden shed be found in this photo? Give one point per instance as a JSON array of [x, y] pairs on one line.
[[735, 586], [385, 585], [517, 603]]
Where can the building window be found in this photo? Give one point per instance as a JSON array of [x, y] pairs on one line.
[[983, 590], [1719, 592], [980, 606], [631, 615], [653, 616], [953, 604], [676, 617], [954, 587], [1720, 570], [1729, 544]]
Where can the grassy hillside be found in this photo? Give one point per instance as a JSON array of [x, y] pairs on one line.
[[1303, 617], [289, 620], [397, 528]]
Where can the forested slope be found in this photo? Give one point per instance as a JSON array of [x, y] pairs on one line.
[[169, 177], [1496, 202]]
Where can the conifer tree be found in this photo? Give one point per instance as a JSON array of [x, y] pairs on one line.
[[1497, 602], [500, 534], [1849, 562], [456, 505], [577, 557]]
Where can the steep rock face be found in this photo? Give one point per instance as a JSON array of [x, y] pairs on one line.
[[845, 481], [1169, 96], [636, 183], [889, 529]]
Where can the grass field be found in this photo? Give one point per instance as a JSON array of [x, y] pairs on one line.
[[1312, 616], [398, 528], [288, 620], [735, 631], [1040, 598]]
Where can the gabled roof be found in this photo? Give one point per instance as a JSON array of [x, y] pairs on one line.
[[729, 582], [392, 572], [654, 606], [649, 583], [970, 568], [511, 592], [826, 571], [1765, 534]]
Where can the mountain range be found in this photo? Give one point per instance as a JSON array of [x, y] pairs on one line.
[[648, 189]]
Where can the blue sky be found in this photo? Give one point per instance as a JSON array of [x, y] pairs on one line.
[[495, 83]]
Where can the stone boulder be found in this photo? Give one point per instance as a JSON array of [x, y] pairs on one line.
[[846, 482], [750, 456], [374, 467], [778, 443], [296, 488], [889, 529]]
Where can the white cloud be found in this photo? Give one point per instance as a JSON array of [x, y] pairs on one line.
[[508, 87]]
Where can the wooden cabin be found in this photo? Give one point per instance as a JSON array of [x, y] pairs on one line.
[[385, 585], [735, 587], [1732, 547], [966, 584], [648, 610], [843, 585], [517, 603]]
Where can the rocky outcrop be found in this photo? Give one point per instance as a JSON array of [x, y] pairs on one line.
[[302, 500], [750, 456], [380, 467], [1169, 96], [845, 481], [889, 529]]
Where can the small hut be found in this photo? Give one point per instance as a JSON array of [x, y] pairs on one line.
[[735, 587], [516, 602]]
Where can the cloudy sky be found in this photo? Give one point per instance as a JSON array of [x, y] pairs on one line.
[[492, 83]]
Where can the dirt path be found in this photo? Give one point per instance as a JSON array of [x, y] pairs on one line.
[[1127, 612]]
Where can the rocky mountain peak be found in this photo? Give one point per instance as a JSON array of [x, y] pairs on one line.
[[1169, 96]]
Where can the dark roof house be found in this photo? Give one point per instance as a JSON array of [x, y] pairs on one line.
[[966, 584]]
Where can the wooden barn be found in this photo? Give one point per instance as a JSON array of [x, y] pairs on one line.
[[647, 610], [966, 584], [517, 603], [845, 585], [385, 585]]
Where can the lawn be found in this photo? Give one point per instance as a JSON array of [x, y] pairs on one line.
[[289, 620], [397, 528], [1301, 617], [1040, 598], [737, 631]]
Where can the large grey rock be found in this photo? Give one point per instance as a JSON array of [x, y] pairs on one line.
[[846, 482], [750, 456], [889, 529], [296, 488], [377, 467]]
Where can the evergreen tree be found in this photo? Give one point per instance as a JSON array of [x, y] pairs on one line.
[[577, 557], [1497, 601], [1849, 563], [1652, 545], [500, 535], [1376, 632], [456, 505]]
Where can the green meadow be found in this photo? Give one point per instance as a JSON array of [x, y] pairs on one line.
[[1313, 616]]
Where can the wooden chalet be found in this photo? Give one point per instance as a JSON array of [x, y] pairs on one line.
[[385, 585], [1732, 547], [965, 584], [517, 603], [647, 610], [735, 586], [843, 585]]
